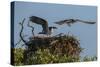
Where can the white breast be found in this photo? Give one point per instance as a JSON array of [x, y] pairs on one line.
[[52, 30]]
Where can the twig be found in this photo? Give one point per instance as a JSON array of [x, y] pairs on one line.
[[31, 28], [22, 27], [19, 40], [53, 42]]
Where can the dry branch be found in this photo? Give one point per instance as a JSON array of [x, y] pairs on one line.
[[31, 28], [22, 27]]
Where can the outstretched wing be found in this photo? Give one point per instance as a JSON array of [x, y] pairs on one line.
[[87, 22], [63, 22], [71, 21], [67, 21], [37, 20], [41, 22], [59, 22]]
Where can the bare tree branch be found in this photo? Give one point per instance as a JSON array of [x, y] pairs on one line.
[[31, 28], [22, 27], [19, 40]]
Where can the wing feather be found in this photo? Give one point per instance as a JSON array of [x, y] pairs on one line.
[[41, 22], [87, 22], [63, 22]]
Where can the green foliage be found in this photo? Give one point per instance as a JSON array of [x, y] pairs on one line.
[[18, 56], [87, 58], [45, 57]]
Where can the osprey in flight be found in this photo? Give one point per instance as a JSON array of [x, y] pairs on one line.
[[71, 21], [46, 30]]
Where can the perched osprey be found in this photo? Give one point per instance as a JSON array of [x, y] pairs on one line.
[[46, 30], [71, 21]]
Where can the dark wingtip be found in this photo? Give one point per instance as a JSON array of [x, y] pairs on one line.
[[93, 22], [31, 16]]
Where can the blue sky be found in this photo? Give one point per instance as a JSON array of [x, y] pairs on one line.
[[87, 34]]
